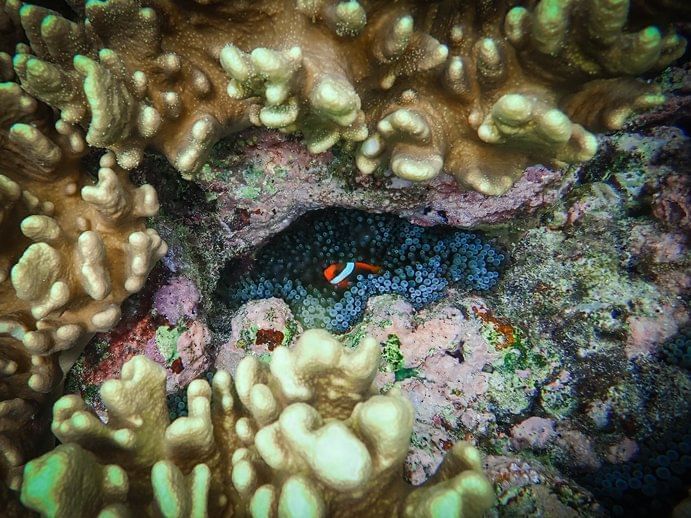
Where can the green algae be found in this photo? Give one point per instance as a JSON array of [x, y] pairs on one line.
[[290, 331], [353, 338], [391, 356], [405, 373], [167, 341], [560, 402], [248, 336], [516, 378], [91, 394], [521, 355], [491, 334], [260, 182]]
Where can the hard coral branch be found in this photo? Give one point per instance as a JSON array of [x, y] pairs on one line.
[[71, 250]]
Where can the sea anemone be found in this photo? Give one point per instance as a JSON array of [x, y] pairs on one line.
[[415, 262]]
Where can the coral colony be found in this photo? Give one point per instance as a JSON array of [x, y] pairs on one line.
[[361, 365]]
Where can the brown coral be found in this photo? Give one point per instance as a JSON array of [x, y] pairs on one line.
[[304, 436], [479, 89], [72, 250]]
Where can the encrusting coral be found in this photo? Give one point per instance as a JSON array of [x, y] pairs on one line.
[[480, 89], [72, 250], [306, 435]]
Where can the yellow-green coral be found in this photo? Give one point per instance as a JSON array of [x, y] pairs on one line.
[[306, 435], [478, 89], [71, 250]]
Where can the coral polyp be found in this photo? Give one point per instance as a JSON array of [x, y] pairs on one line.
[[677, 350], [415, 262], [646, 484]]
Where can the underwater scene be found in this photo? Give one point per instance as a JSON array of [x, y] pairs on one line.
[[345, 258]]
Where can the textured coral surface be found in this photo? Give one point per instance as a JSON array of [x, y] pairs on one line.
[[73, 247], [305, 435], [72, 250], [480, 89]]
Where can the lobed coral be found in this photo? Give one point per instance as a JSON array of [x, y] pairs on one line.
[[177, 401], [304, 436], [72, 250], [416, 262], [479, 89]]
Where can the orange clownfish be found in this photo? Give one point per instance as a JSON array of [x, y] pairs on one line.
[[338, 273]]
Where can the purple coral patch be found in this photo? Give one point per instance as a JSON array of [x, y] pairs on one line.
[[177, 299]]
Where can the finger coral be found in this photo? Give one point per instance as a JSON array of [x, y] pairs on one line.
[[72, 250], [479, 89], [305, 435]]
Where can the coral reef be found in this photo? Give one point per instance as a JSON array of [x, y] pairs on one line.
[[477, 89], [434, 356], [528, 488], [257, 184], [302, 436], [573, 334], [72, 250], [612, 307], [260, 181], [571, 374], [165, 324], [594, 296], [673, 203], [449, 363], [415, 262], [476, 368]]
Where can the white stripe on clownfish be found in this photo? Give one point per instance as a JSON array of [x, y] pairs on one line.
[[347, 270]]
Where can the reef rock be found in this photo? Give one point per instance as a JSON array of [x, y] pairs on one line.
[[528, 488], [265, 181]]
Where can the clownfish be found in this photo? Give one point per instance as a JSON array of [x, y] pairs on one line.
[[338, 273]]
